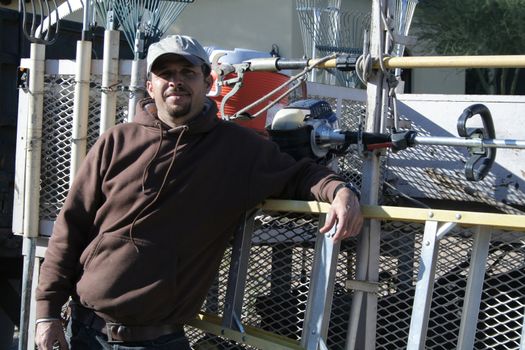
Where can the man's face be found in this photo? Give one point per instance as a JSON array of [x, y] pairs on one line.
[[179, 89]]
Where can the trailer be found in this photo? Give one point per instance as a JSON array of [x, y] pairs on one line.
[[439, 263]]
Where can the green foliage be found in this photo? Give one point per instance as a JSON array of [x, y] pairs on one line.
[[475, 27]]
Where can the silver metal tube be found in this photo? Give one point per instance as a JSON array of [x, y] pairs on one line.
[[473, 292], [362, 322], [321, 289], [33, 153], [136, 85], [27, 287], [80, 106], [108, 102], [264, 64], [464, 142], [86, 19]]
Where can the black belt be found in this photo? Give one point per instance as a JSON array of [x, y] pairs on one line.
[[118, 332]]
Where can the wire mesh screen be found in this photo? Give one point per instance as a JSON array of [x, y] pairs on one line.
[[438, 172], [57, 133], [502, 303]]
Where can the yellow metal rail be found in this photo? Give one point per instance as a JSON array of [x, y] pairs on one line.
[[251, 336], [483, 61], [501, 221], [511, 61]]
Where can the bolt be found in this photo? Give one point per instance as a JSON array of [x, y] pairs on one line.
[[458, 216], [427, 243], [430, 214]]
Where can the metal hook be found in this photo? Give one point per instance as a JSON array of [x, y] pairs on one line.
[[481, 158], [44, 25]]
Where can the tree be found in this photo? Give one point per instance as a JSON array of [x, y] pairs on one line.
[[476, 27]]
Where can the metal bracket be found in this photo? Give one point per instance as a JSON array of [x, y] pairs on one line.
[[22, 78], [363, 286]]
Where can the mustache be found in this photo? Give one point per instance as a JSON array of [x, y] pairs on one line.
[[175, 90]]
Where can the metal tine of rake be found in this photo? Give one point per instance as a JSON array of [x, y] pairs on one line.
[[310, 13], [144, 22], [327, 29], [103, 9], [152, 17], [41, 11], [402, 19]]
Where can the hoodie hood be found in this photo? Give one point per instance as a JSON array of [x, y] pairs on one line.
[[204, 122]]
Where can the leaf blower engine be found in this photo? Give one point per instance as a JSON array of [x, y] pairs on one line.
[[308, 128]]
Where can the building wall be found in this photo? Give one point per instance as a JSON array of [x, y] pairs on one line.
[[256, 25], [438, 81]]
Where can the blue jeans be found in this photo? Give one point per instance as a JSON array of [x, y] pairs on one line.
[[81, 337]]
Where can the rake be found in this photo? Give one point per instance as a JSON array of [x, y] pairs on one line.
[[402, 19], [326, 29], [143, 23]]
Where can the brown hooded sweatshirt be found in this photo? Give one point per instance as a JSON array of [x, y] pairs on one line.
[[149, 215]]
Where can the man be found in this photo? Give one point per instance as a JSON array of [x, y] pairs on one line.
[[142, 232]]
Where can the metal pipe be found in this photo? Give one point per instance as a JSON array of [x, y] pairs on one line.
[[80, 106], [29, 250], [484, 61], [86, 20], [502, 61], [108, 102], [466, 142], [33, 153], [136, 85], [474, 290]]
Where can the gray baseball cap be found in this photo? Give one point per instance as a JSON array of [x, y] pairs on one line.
[[181, 45]]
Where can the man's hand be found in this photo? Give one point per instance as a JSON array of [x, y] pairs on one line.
[[346, 213], [49, 333]]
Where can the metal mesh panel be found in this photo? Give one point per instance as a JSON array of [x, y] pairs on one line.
[[57, 133], [503, 298], [56, 143], [282, 250], [437, 172]]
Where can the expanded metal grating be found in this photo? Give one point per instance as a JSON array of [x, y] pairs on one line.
[[282, 252], [57, 136]]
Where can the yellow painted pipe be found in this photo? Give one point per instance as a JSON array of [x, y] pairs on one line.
[[509, 61], [495, 61], [502, 221], [252, 336]]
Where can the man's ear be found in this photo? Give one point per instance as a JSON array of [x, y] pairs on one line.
[[149, 87], [209, 82]]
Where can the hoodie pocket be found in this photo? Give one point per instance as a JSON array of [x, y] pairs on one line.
[[127, 284]]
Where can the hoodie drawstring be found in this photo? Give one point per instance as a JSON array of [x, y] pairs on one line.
[[183, 129], [146, 169]]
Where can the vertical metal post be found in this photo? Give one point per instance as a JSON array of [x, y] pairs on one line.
[[424, 288], [108, 102], [363, 313], [522, 342], [319, 304], [138, 74], [80, 106], [469, 314], [316, 29], [33, 152], [237, 274]]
